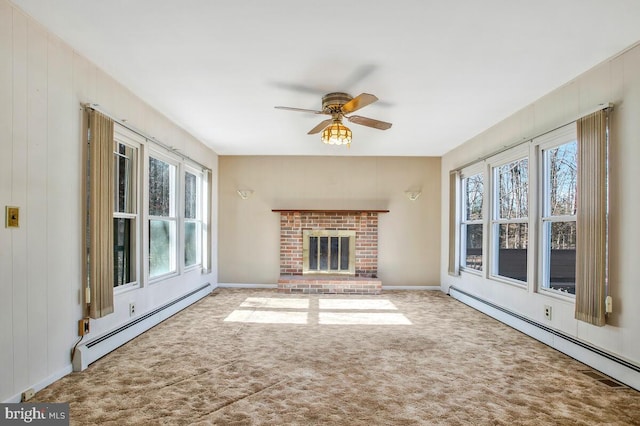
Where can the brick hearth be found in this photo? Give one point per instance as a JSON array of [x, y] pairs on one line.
[[328, 284]]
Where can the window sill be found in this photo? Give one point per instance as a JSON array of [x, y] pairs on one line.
[[164, 277], [188, 269], [471, 271], [566, 297], [504, 280], [125, 288]]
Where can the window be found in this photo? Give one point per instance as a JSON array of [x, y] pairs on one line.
[[510, 222], [125, 214], [537, 235], [162, 218], [471, 222], [146, 206], [192, 218], [559, 160]]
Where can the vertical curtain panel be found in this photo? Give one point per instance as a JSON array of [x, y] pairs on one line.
[[454, 267], [100, 214], [591, 250]]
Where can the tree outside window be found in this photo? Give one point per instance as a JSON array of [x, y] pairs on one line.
[[510, 222], [471, 229], [125, 216], [192, 219], [560, 171], [162, 220]]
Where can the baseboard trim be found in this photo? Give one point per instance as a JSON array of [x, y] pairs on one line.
[[98, 347], [384, 287], [43, 383], [243, 285], [618, 368], [412, 287]]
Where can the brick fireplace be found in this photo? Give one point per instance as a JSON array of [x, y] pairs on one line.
[[295, 276]]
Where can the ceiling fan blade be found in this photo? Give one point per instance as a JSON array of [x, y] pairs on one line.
[[360, 101], [369, 122], [358, 75], [320, 127], [313, 111]]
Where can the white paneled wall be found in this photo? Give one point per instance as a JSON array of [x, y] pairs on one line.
[[43, 83], [6, 183], [616, 81]]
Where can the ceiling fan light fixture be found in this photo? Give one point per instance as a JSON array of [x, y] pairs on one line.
[[336, 134], [340, 105]]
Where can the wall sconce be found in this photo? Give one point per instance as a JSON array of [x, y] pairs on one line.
[[244, 193], [413, 195]]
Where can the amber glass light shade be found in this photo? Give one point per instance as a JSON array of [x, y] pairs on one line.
[[336, 134]]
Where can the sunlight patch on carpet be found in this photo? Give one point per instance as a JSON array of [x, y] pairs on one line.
[[277, 303], [267, 317], [353, 304], [274, 310], [362, 318]]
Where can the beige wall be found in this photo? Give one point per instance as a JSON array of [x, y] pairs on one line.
[[409, 235], [616, 81]]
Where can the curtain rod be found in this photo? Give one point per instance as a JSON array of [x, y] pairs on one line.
[[151, 139], [603, 106]]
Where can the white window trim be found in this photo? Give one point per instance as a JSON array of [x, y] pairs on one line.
[[200, 215], [516, 153], [145, 145], [537, 266], [472, 170], [127, 137], [173, 215], [561, 136], [206, 220]]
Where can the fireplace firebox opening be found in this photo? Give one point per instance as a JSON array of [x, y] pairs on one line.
[[329, 252]]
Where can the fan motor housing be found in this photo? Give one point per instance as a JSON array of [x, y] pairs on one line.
[[334, 101]]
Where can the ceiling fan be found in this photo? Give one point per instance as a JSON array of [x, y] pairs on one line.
[[338, 105]]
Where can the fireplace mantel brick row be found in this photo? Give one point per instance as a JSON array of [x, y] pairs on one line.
[[365, 224]]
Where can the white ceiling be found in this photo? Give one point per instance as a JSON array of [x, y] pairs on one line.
[[444, 70]]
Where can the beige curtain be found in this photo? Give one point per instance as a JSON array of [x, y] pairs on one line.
[[454, 267], [100, 214], [591, 250]]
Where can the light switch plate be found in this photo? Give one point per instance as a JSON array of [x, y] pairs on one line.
[[12, 217]]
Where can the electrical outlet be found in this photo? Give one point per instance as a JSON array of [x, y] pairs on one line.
[[547, 312], [132, 309], [28, 394], [83, 326]]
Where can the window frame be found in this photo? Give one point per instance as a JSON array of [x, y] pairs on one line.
[[172, 218], [199, 217], [464, 222], [511, 155], [544, 144], [123, 136], [539, 258]]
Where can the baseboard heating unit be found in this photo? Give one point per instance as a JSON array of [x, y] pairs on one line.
[[95, 349], [620, 369]]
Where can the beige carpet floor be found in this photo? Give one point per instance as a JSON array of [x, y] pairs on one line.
[[245, 357]]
